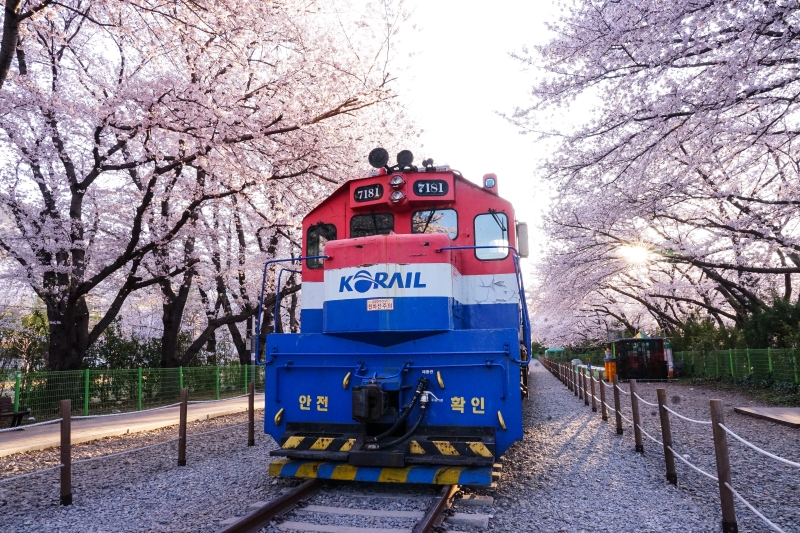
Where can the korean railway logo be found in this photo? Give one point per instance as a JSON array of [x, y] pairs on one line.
[[362, 281]]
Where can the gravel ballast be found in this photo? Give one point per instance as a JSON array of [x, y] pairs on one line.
[[144, 490], [609, 487], [572, 473]]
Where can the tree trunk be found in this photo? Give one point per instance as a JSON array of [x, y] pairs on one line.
[[69, 334], [239, 342], [171, 319], [10, 35]]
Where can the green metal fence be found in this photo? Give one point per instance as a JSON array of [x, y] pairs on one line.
[[767, 366], [596, 358], [97, 392]]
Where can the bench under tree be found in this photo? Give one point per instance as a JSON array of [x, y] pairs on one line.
[[7, 411]]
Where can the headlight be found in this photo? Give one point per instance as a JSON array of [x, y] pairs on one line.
[[397, 181], [397, 196]]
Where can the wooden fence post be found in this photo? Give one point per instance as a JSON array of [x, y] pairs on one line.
[[574, 380], [66, 452], [585, 388], [616, 404], [637, 431], [251, 439], [603, 410], [729, 524], [666, 436], [182, 427], [594, 399]]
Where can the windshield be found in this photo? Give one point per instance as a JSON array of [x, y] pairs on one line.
[[435, 221], [372, 224], [316, 238], [491, 229]]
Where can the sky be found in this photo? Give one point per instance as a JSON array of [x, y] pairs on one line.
[[460, 77]]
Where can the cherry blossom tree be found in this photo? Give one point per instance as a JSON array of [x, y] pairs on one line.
[[124, 124], [688, 150]]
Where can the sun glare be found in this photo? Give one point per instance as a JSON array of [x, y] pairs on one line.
[[635, 254]]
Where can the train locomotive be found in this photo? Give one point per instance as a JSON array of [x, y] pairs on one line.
[[411, 362]]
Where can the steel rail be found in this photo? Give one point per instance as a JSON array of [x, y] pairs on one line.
[[436, 512], [261, 517]]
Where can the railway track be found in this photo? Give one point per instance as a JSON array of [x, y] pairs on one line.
[[324, 507]]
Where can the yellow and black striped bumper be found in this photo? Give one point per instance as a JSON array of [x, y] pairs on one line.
[[451, 448], [475, 476], [338, 444]]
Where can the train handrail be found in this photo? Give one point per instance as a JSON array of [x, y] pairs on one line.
[[526, 323], [261, 297]]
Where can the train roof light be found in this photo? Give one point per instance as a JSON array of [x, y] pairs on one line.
[[397, 196], [397, 181], [405, 158], [379, 157]]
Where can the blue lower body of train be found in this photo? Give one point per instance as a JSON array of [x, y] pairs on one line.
[[434, 409]]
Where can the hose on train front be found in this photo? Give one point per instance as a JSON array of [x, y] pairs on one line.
[[422, 407], [421, 384]]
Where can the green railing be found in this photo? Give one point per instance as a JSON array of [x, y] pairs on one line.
[[596, 358], [97, 392], [766, 366]]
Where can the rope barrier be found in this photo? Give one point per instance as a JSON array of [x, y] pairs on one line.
[[623, 392], [646, 434], [20, 428], [704, 422], [90, 459], [610, 408], [85, 417], [30, 473], [756, 448], [761, 516], [678, 456], [645, 401], [157, 444], [609, 385], [216, 430], [626, 419], [220, 400]]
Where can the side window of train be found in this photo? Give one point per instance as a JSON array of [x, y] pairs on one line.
[[316, 238], [372, 224], [491, 229], [435, 221]]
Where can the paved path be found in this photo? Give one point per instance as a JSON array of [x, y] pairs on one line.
[[49, 436]]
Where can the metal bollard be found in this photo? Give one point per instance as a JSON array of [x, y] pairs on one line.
[[637, 432], [182, 427], [66, 452], [616, 404], [729, 524], [666, 437]]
